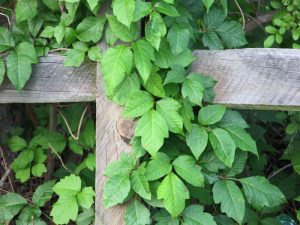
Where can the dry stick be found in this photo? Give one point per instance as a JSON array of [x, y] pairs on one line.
[[242, 13], [280, 170], [6, 168], [79, 125], [4, 177], [7, 17], [60, 159], [52, 127]]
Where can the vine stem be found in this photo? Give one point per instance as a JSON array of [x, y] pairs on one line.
[[242, 13], [229, 178], [60, 159], [279, 171]]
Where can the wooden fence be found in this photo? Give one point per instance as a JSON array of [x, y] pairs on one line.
[[247, 78]]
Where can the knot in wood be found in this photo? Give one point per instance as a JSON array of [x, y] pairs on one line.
[[125, 129]]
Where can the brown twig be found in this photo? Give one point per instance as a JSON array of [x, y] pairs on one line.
[[7, 169], [279, 171], [60, 159], [4, 177]]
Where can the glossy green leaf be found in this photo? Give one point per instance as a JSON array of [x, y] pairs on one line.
[[124, 11], [137, 214], [86, 197], [211, 114], [175, 75], [121, 31], [6, 39], [153, 128], [193, 90], [166, 9], [142, 9], [194, 215], [26, 9], [242, 139], [64, 210], [90, 29], [154, 84], [94, 54], [116, 64], [140, 183], [68, 186], [75, 57], [143, 54], [115, 190], [223, 145], [124, 165], [19, 64], [197, 140], [185, 166], [231, 198], [174, 193], [138, 103], [158, 167], [261, 193], [169, 108], [155, 30], [178, 37]]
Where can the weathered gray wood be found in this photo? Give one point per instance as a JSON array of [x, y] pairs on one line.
[[253, 78], [51, 81], [247, 78]]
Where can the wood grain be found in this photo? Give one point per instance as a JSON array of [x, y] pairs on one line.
[[51, 81], [112, 139], [253, 78]]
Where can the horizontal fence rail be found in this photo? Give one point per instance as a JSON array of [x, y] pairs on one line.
[[247, 78]]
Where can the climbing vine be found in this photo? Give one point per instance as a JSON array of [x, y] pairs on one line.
[[188, 160]]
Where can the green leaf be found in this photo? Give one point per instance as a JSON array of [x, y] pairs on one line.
[[19, 64], [142, 9], [155, 30], [64, 210], [124, 10], [59, 33], [168, 108], [231, 198], [43, 193], [86, 197], [211, 114], [185, 166], [154, 84], [166, 9], [212, 41], [88, 136], [158, 167], [174, 193], [90, 29], [116, 190], [223, 145], [48, 32], [175, 75], [208, 4], [137, 104], [121, 31], [178, 38], [23, 174], [94, 54], [232, 119], [86, 217], [2, 71], [269, 41], [23, 160], [16, 144], [197, 140], [38, 169], [143, 54], [68, 186], [193, 90], [140, 183], [116, 64], [137, 214], [10, 205], [75, 57], [187, 114], [6, 39], [238, 164], [137, 148], [56, 140], [232, 34], [26, 9], [194, 215], [242, 139], [124, 165], [162, 217], [53, 5], [261, 193], [93, 4], [130, 85], [153, 128]]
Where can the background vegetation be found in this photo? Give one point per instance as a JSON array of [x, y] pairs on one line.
[[192, 162]]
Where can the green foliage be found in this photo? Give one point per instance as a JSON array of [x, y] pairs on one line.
[[190, 162], [285, 24]]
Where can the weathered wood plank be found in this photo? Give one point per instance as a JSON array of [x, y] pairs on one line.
[[51, 81], [247, 78], [253, 78]]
